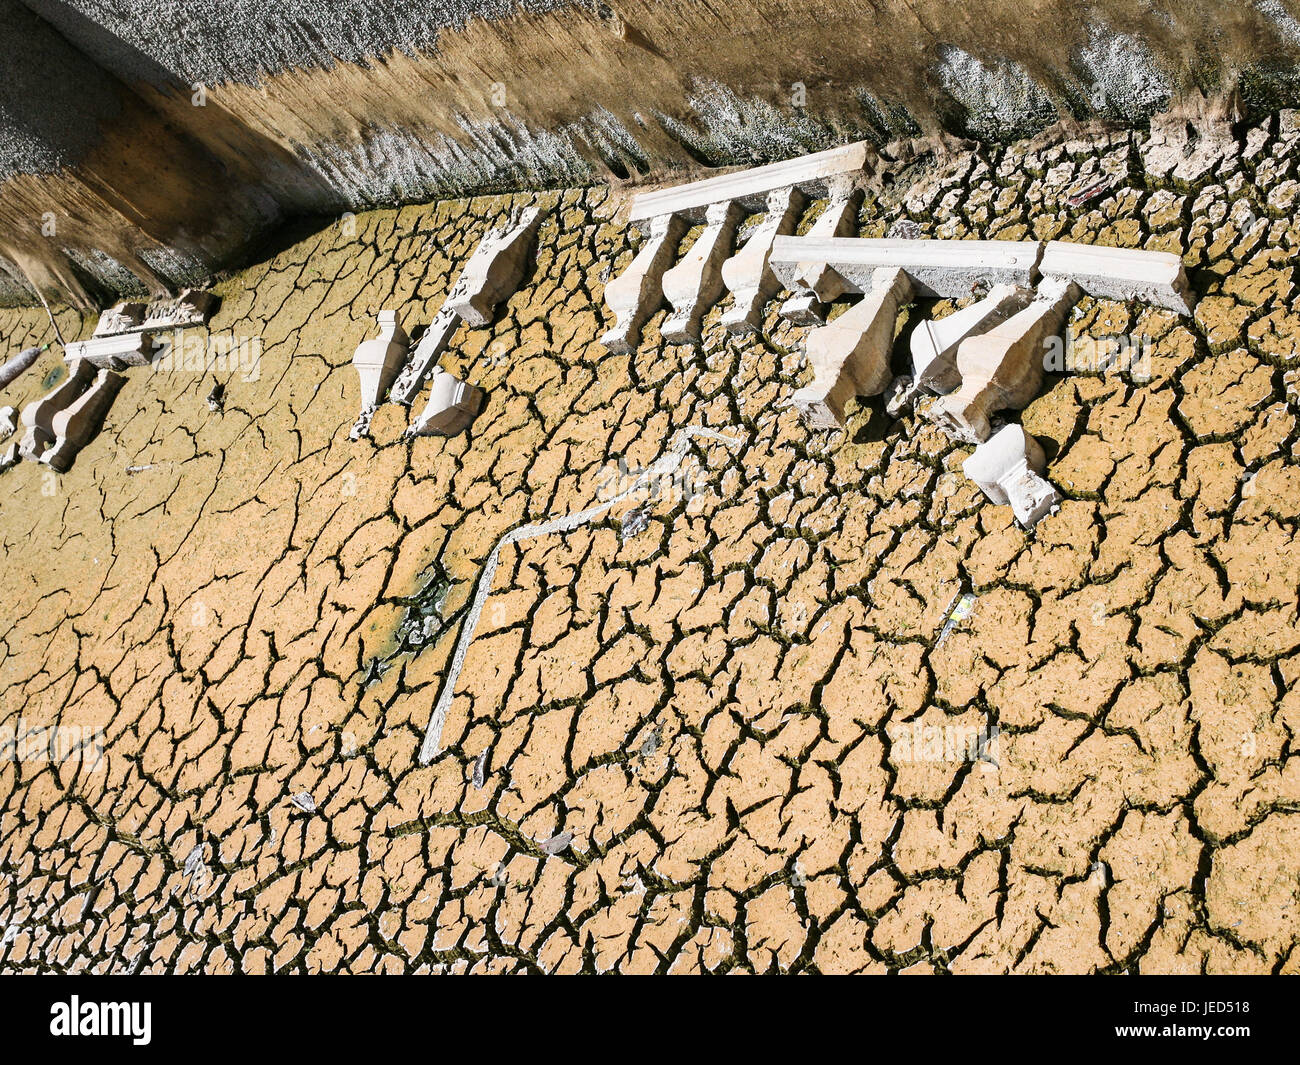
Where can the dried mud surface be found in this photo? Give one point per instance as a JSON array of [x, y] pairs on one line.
[[678, 748]]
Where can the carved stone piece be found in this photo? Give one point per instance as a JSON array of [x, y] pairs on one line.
[[1121, 273], [191, 307], [424, 360], [1008, 467], [77, 424], [849, 355], [1003, 368], [38, 416], [934, 343], [378, 360], [452, 405], [120, 318], [944, 268], [747, 275], [637, 292], [809, 173], [818, 283], [695, 283], [114, 352]]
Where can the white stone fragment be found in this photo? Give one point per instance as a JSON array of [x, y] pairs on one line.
[[120, 318], [495, 269], [378, 360], [943, 268], [8, 420], [77, 424], [424, 360], [114, 352], [810, 173], [38, 416], [1121, 273], [452, 405], [1008, 467], [637, 292], [819, 284], [934, 343], [191, 307], [1003, 368], [747, 275], [695, 284], [849, 355]]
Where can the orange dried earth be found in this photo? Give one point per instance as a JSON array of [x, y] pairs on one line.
[[694, 735]]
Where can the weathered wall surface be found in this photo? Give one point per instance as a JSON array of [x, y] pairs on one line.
[[690, 748], [335, 106]]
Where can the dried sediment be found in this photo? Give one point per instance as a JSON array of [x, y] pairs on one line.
[[713, 737]]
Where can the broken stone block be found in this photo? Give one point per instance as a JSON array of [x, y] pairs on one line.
[[115, 352], [1003, 368], [191, 307], [15, 366], [1121, 273], [495, 269], [819, 284], [695, 283], [452, 406], [378, 360], [747, 275], [934, 343], [77, 424], [637, 292], [38, 416], [750, 188], [8, 420], [1008, 467], [849, 355], [424, 360], [950, 269], [120, 318]]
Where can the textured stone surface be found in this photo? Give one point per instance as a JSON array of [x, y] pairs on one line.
[[729, 740]]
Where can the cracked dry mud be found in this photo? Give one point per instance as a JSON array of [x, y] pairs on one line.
[[675, 748]]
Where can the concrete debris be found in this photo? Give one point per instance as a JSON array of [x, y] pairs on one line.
[[637, 292], [849, 355], [379, 359], [747, 275], [1008, 467], [818, 284], [38, 416], [424, 360], [934, 343], [750, 188], [77, 424], [452, 405], [114, 352], [695, 284], [1003, 368], [1154, 277]]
